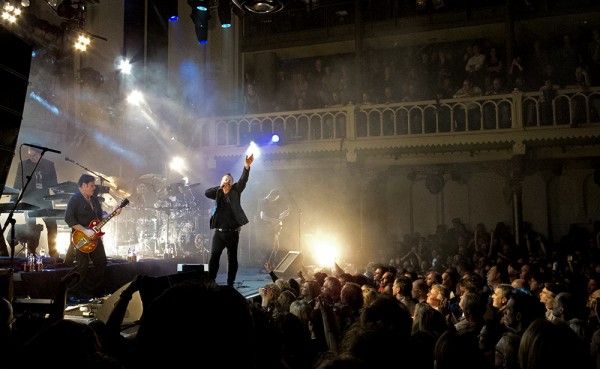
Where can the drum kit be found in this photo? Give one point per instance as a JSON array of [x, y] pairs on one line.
[[165, 219]]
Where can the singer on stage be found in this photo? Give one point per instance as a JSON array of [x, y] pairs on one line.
[[227, 221], [42, 179]]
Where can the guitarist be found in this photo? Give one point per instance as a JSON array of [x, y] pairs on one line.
[[84, 208], [271, 216]]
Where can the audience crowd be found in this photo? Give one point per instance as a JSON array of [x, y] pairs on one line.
[[427, 72], [455, 298]]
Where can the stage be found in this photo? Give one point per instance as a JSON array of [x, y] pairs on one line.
[[43, 284]]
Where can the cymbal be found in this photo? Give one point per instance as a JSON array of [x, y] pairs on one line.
[[194, 185], [153, 177], [47, 213], [67, 186], [10, 191], [22, 206]]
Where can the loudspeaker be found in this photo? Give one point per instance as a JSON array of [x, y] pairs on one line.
[[134, 309], [290, 265], [192, 268], [14, 77]]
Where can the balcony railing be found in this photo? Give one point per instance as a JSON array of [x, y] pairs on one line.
[[411, 122]]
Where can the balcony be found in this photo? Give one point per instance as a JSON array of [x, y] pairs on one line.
[[424, 132]]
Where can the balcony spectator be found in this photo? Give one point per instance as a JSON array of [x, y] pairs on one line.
[[473, 114], [494, 66], [549, 92], [252, 103], [475, 65], [501, 108]]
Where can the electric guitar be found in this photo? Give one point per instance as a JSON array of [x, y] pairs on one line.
[[87, 244], [278, 225]]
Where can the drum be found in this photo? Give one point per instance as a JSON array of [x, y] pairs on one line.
[[146, 228], [126, 231], [168, 235]]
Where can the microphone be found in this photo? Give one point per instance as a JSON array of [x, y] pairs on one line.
[[67, 159], [42, 148]]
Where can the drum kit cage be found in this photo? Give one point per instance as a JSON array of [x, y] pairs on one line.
[[165, 221]]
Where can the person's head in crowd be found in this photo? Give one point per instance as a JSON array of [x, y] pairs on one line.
[[593, 283], [501, 295], [525, 272], [389, 313], [7, 318], [568, 306], [453, 350], [473, 306], [331, 289], [320, 277], [547, 345], [429, 320], [378, 273], [295, 286], [514, 270], [520, 283], [310, 290], [433, 277], [351, 296], [369, 294], [438, 297], [83, 344], [360, 279], [339, 361], [345, 277], [549, 292], [220, 313], [521, 309], [592, 302], [537, 279], [473, 282], [419, 290], [303, 310]]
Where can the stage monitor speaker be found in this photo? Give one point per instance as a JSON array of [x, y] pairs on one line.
[[134, 309], [290, 265]]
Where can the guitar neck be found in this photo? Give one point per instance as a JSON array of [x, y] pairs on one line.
[[109, 217]]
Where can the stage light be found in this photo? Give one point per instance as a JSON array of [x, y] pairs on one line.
[[82, 42], [66, 10], [224, 12], [168, 9], [275, 138], [200, 19], [124, 66], [201, 5], [10, 13], [261, 6]]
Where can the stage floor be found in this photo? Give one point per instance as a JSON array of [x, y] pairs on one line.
[[43, 285]]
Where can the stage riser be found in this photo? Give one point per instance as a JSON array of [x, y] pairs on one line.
[[44, 284]]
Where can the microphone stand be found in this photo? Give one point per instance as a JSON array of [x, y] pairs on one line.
[[299, 218], [10, 219], [102, 179]]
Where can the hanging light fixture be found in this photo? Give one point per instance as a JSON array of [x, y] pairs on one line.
[[261, 6], [224, 12]]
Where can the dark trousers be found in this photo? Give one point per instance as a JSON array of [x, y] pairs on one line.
[[220, 241], [91, 277]]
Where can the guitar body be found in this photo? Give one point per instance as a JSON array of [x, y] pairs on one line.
[[82, 242], [87, 244]]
